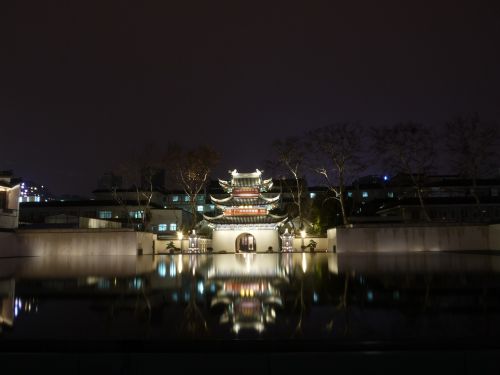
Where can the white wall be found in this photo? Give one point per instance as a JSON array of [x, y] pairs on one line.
[[402, 239], [225, 240], [10, 220], [321, 243], [13, 198], [76, 242], [90, 223], [495, 237], [331, 235]]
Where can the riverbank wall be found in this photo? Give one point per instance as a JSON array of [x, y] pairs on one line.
[[44, 242], [404, 238]]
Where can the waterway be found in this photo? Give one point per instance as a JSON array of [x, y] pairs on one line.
[[299, 300]]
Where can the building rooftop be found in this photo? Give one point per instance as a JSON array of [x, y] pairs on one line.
[[86, 203]]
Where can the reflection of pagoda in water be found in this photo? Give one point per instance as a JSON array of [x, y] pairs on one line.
[[248, 290], [246, 223]]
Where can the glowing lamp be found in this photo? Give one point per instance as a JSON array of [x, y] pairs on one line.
[[286, 241]]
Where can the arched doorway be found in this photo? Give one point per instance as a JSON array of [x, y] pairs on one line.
[[245, 242]]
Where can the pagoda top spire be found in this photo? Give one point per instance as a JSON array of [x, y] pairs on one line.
[[235, 174], [252, 180]]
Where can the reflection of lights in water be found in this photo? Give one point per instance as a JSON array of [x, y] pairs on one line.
[[213, 288], [369, 295], [162, 270], [27, 306], [103, 284], [201, 288], [179, 264], [173, 270], [175, 297], [137, 283], [315, 297], [304, 262]]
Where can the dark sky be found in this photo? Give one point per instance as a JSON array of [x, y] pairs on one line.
[[84, 83]]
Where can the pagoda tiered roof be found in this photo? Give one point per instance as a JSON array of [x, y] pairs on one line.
[[246, 219], [246, 204], [239, 201]]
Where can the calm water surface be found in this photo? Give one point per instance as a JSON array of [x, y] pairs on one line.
[[330, 298]]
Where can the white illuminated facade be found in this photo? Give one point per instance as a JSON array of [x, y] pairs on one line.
[[246, 224], [9, 201]]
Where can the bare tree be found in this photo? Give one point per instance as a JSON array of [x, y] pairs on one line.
[[338, 157], [191, 169], [288, 158], [472, 147], [138, 172], [407, 148]]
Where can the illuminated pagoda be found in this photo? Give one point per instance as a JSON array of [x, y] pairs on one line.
[[246, 224]]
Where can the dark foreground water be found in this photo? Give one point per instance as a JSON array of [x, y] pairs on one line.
[[431, 313], [271, 301]]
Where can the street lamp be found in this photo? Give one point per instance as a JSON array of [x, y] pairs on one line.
[[286, 241]]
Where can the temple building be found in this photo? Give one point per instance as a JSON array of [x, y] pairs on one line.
[[246, 224]]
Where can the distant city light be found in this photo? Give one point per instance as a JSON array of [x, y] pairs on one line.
[[386, 178]]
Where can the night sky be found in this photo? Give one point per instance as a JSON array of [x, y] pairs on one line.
[[85, 83]]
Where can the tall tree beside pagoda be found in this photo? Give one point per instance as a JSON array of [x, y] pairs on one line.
[[289, 158], [472, 147], [336, 152], [191, 169]]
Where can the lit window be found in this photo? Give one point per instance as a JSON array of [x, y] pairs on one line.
[[312, 195], [200, 198], [390, 194], [162, 227], [349, 194], [186, 198], [365, 194], [199, 208], [105, 214], [136, 214], [173, 226], [175, 198]]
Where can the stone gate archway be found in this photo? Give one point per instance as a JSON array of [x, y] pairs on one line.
[[245, 242]]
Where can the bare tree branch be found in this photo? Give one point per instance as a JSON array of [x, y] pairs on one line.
[[338, 157]]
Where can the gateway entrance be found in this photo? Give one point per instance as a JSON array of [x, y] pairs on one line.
[[245, 242]]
